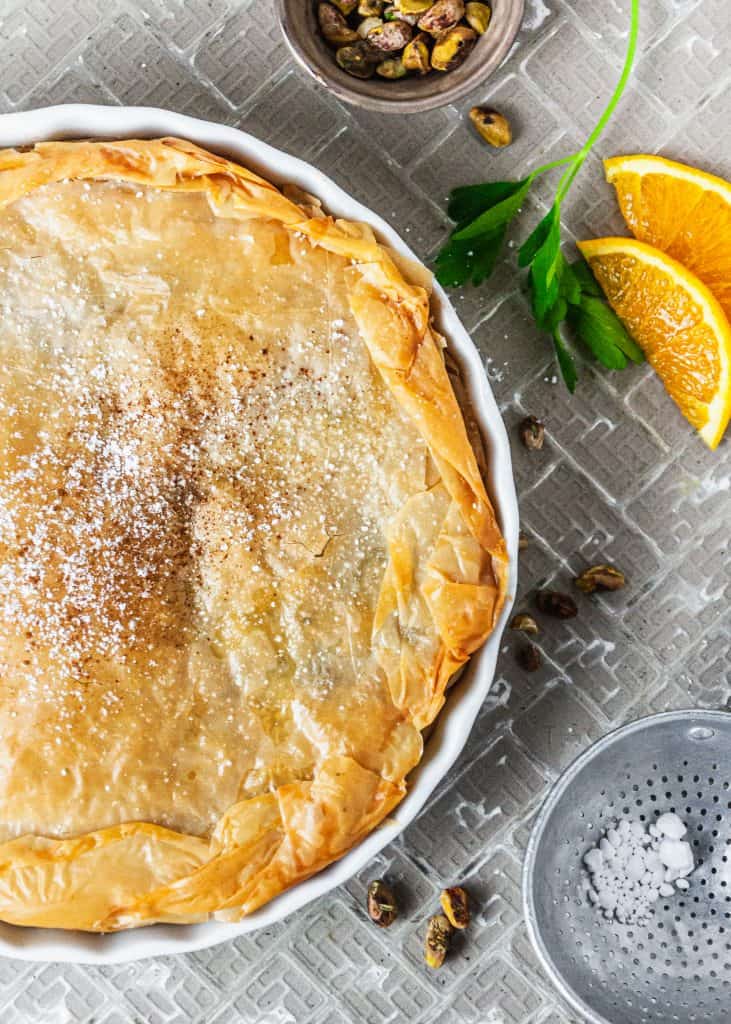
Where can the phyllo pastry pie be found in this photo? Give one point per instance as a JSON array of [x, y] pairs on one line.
[[244, 540]]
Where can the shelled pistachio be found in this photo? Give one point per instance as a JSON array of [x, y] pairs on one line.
[[401, 37], [492, 126], [451, 48], [441, 16], [356, 60], [381, 903], [390, 36], [367, 25], [529, 657], [438, 938], [600, 577], [391, 68], [334, 26], [416, 56], [478, 17], [524, 623], [556, 604], [413, 6], [371, 8], [456, 906]]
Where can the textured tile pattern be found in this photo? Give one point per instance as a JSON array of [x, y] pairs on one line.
[[621, 478]]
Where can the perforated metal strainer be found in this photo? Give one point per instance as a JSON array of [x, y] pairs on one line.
[[677, 967]]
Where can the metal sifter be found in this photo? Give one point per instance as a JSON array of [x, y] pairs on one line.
[[676, 967]]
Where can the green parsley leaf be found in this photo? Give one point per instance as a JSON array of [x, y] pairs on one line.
[[536, 239], [497, 216], [587, 282], [468, 202], [546, 271], [472, 260], [571, 287], [566, 363], [560, 291], [604, 334]]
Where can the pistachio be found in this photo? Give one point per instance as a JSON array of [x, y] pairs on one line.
[[493, 127], [525, 623], [560, 606], [356, 60], [438, 937], [477, 17], [441, 16], [334, 27], [532, 433], [371, 8], [367, 25], [382, 908], [455, 904], [416, 55], [600, 577], [452, 47], [414, 6], [391, 68], [529, 657], [345, 7], [390, 37], [523, 541]]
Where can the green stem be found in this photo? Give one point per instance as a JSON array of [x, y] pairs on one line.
[[553, 165], [566, 181]]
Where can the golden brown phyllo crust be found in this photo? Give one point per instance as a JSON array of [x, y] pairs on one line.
[[244, 540]]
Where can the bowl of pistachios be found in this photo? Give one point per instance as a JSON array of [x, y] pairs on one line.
[[400, 56]]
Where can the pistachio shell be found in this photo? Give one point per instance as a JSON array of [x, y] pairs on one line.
[[391, 68], [524, 622], [442, 16], [478, 16], [600, 577], [367, 25], [390, 37], [355, 60], [416, 55], [414, 6], [345, 7], [334, 27], [452, 47]]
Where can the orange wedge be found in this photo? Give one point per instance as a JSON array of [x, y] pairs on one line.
[[677, 322], [681, 210]]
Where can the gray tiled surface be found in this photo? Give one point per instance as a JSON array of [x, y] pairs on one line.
[[621, 477]]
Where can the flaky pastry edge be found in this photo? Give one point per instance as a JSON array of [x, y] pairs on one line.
[[139, 873]]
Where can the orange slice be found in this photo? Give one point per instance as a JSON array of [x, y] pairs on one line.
[[681, 210], [677, 322]]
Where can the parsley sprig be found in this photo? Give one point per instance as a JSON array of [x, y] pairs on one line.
[[561, 292]]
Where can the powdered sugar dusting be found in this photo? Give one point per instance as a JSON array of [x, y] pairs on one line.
[[197, 466]]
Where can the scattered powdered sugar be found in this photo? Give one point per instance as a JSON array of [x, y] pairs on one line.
[[196, 468], [129, 433], [632, 866]]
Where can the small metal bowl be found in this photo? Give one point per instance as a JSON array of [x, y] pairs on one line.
[[676, 967], [407, 95]]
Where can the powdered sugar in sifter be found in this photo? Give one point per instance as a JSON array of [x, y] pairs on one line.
[[677, 966]]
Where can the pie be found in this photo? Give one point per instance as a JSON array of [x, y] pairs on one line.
[[245, 543]]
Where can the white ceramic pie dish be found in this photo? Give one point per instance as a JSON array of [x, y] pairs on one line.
[[465, 698]]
